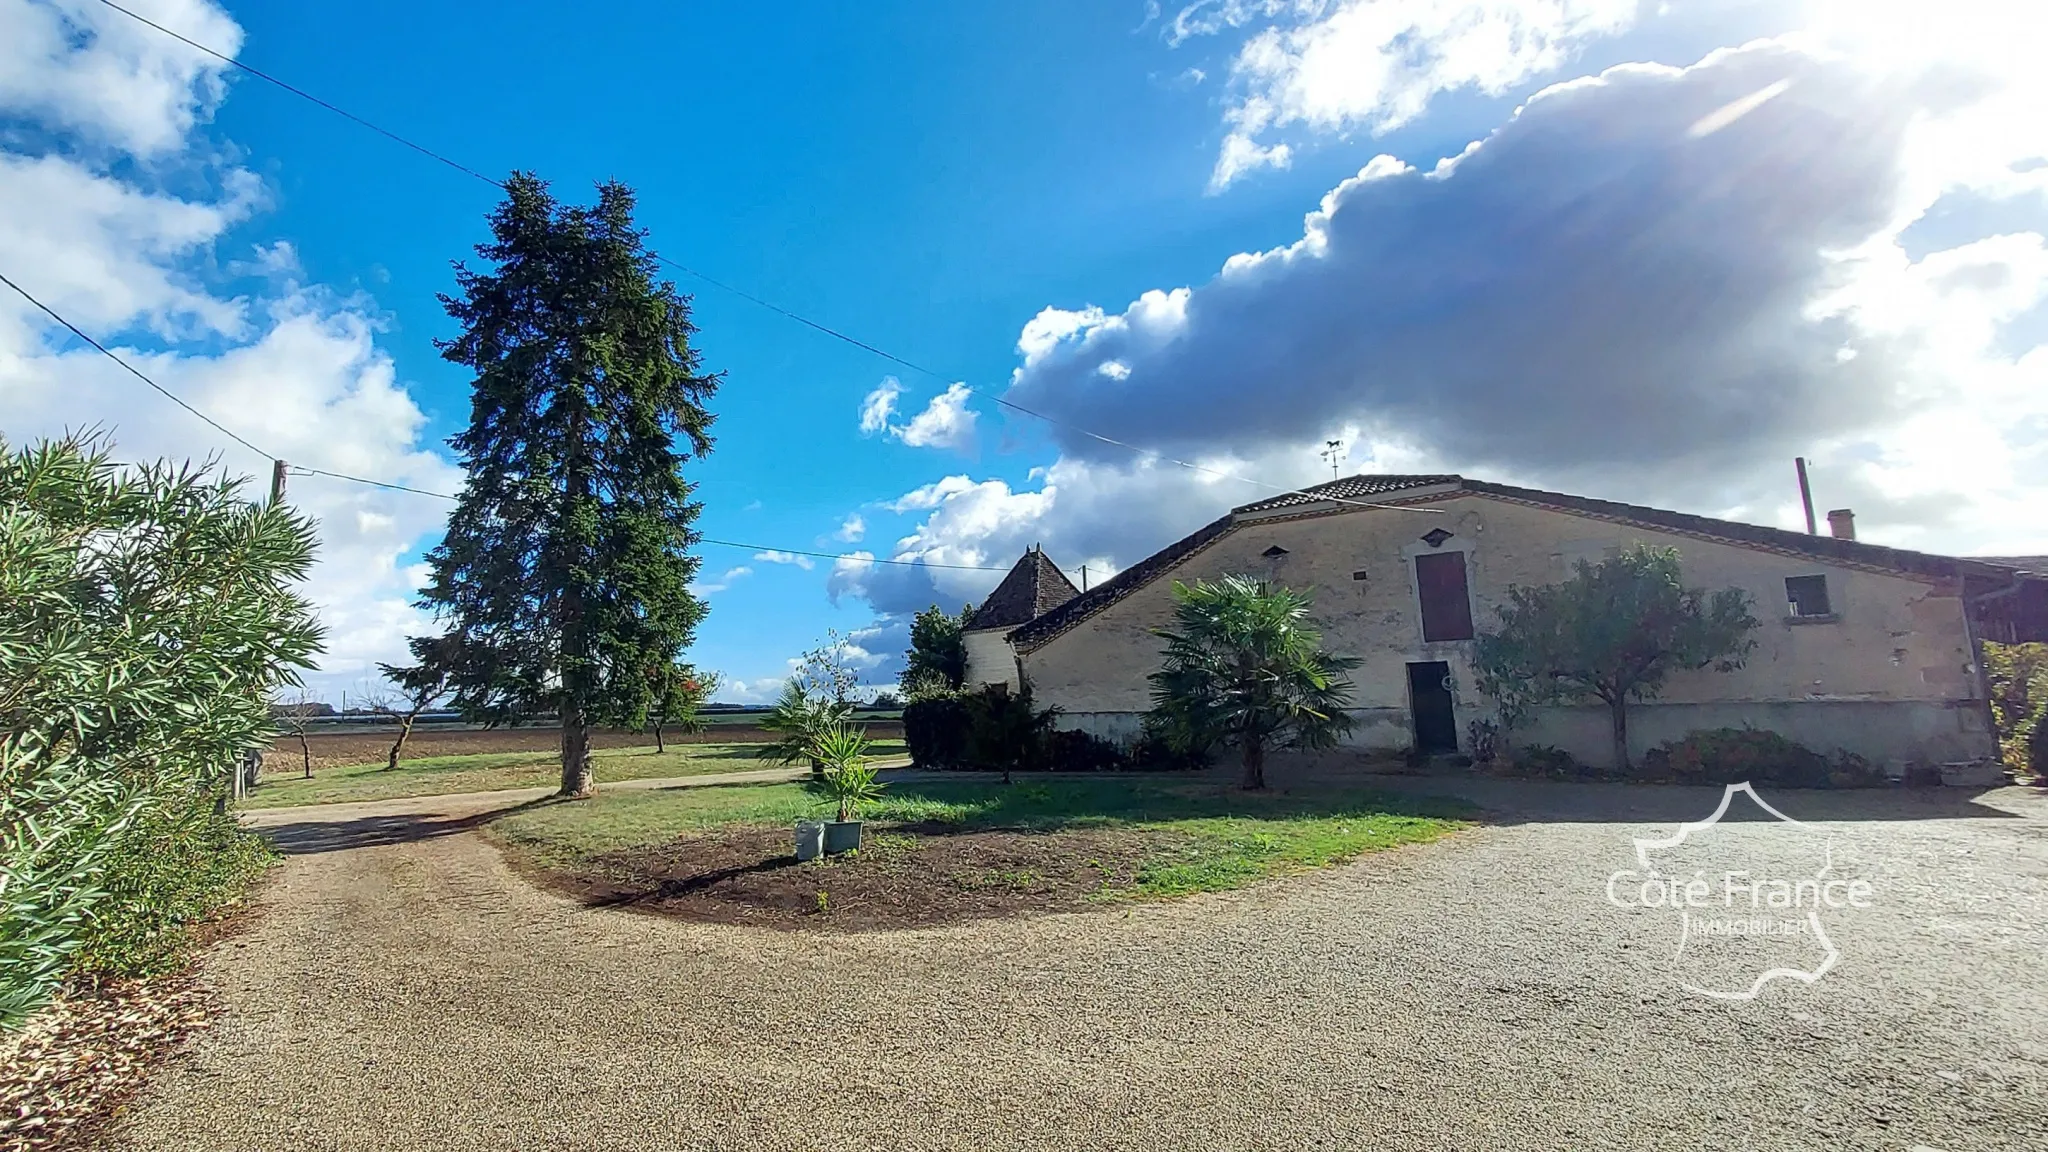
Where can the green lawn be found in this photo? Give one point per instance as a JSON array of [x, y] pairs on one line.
[[489, 771], [1222, 837]]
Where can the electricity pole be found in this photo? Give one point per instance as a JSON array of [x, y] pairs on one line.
[[277, 471]]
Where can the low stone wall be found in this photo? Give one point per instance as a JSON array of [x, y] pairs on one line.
[[1884, 732], [1881, 731]]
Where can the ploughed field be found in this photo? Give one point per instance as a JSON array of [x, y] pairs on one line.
[[333, 749]]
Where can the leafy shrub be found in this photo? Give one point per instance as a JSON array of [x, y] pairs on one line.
[[1757, 755], [2018, 677], [1006, 733], [1154, 751], [1485, 739], [2037, 745], [1076, 751], [177, 866], [935, 727], [145, 616], [994, 730], [1544, 762]]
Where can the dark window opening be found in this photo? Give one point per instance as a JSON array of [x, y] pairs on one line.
[[1435, 537], [1446, 603], [1808, 595], [1360, 574], [1274, 552]]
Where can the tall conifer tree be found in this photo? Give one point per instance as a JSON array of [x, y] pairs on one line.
[[565, 572]]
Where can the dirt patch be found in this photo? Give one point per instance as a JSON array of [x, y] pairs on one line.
[[905, 876], [335, 749]]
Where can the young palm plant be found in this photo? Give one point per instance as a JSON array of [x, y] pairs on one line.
[[799, 719], [1244, 667], [850, 777]]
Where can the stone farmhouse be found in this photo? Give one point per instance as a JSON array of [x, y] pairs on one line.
[[1863, 648]]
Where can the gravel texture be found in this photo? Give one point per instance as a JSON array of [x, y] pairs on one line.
[[405, 989]]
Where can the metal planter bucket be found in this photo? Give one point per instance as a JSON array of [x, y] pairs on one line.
[[810, 839], [841, 836]]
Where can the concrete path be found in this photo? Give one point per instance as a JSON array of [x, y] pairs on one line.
[[404, 990], [499, 799]]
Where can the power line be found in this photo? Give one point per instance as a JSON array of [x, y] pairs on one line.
[[778, 309], [52, 313], [303, 471], [305, 95]]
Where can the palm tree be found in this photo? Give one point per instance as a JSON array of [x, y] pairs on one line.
[[1243, 666], [799, 718]]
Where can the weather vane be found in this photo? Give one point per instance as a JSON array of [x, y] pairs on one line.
[[1333, 451]]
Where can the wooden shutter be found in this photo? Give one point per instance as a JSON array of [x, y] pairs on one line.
[[1446, 604]]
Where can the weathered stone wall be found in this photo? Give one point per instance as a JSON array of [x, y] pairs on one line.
[[1892, 640], [990, 659]]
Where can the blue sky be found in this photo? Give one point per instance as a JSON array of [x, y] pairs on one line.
[[931, 178]]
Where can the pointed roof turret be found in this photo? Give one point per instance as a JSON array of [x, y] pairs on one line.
[[1034, 587]]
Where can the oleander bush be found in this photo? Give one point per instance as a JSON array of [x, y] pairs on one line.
[[146, 617]]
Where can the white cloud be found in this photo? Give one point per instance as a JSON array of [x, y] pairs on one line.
[[1099, 514], [773, 556], [879, 406], [1335, 65], [725, 580], [97, 101], [108, 255], [1600, 298], [80, 67], [736, 690], [852, 528], [945, 422]]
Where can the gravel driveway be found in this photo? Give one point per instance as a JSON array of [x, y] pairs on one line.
[[405, 990]]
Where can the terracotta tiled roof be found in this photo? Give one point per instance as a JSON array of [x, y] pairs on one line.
[[1362, 488], [1033, 587], [1118, 586], [1366, 489]]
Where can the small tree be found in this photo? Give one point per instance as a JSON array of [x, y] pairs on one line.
[[1244, 667], [1612, 632], [295, 715], [679, 692], [421, 685], [824, 672], [937, 657]]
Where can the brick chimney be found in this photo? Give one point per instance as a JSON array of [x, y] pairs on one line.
[[1842, 524]]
